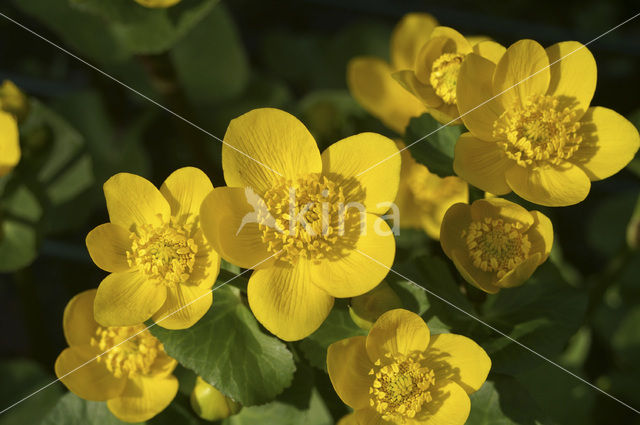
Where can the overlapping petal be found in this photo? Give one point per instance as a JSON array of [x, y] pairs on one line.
[[397, 331], [348, 367]]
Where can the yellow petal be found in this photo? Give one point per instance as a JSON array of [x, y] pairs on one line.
[[445, 114], [77, 322], [460, 44], [553, 186], [482, 164], [423, 92], [443, 40], [184, 306], [285, 301], [362, 268], [476, 103], [489, 50], [521, 273], [409, 35], [369, 416], [397, 331], [450, 406], [127, 299], [133, 200], [498, 208], [349, 419], [348, 367], [207, 263], [609, 143], [455, 221], [458, 358], [143, 398], [473, 275], [229, 224], [263, 146], [370, 83], [185, 189], [573, 74], [522, 72], [9, 143], [368, 164], [108, 245], [410, 213], [86, 377], [541, 235]]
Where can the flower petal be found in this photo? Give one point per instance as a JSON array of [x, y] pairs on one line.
[[77, 321], [184, 306], [143, 398], [229, 221], [408, 36], [207, 263], [9, 143], [573, 74], [473, 275], [474, 94], [285, 301], [553, 186], [79, 371], [185, 189], [450, 406], [460, 44], [127, 299], [455, 221], [263, 146], [523, 71], [424, 92], [348, 367], [397, 331], [541, 235], [134, 200], [460, 359], [367, 166], [361, 269], [521, 273], [108, 245], [482, 164], [609, 143], [370, 416], [370, 83], [489, 50], [498, 208], [443, 40]]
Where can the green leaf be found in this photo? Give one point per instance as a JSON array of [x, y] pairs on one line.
[[210, 61], [228, 350], [20, 214], [435, 146]]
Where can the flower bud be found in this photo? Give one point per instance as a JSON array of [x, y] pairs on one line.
[[365, 309], [13, 101], [210, 404]]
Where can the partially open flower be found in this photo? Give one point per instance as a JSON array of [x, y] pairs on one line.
[[210, 404]]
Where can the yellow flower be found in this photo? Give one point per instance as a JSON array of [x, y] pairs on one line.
[[210, 404], [155, 250], [369, 78], [400, 374], [540, 138], [134, 377], [366, 308], [307, 223], [433, 77], [12, 100], [9, 143], [424, 197], [157, 3], [495, 243]]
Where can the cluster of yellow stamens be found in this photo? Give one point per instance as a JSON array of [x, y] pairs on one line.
[[166, 253], [444, 76], [132, 357], [307, 217], [496, 245], [400, 386], [538, 132]]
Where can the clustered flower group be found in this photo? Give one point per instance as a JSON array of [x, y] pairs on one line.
[[287, 213]]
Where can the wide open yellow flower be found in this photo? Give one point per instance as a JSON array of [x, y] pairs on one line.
[[433, 77], [539, 138], [157, 3], [424, 197], [159, 260], [307, 223], [495, 243], [134, 377], [400, 374]]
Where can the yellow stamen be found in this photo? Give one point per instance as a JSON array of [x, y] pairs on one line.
[[444, 76]]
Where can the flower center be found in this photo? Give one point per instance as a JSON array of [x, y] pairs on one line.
[[132, 357], [166, 253], [444, 76], [400, 386], [307, 217], [538, 132], [496, 246]]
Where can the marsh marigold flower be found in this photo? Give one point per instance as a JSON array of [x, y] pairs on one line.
[[495, 243], [307, 223], [159, 260], [134, 377], [400, 374], [210, 404], [13, 105], [157, 3], [538, 138]]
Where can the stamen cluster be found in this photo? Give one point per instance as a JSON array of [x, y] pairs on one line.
[[444, 76]]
